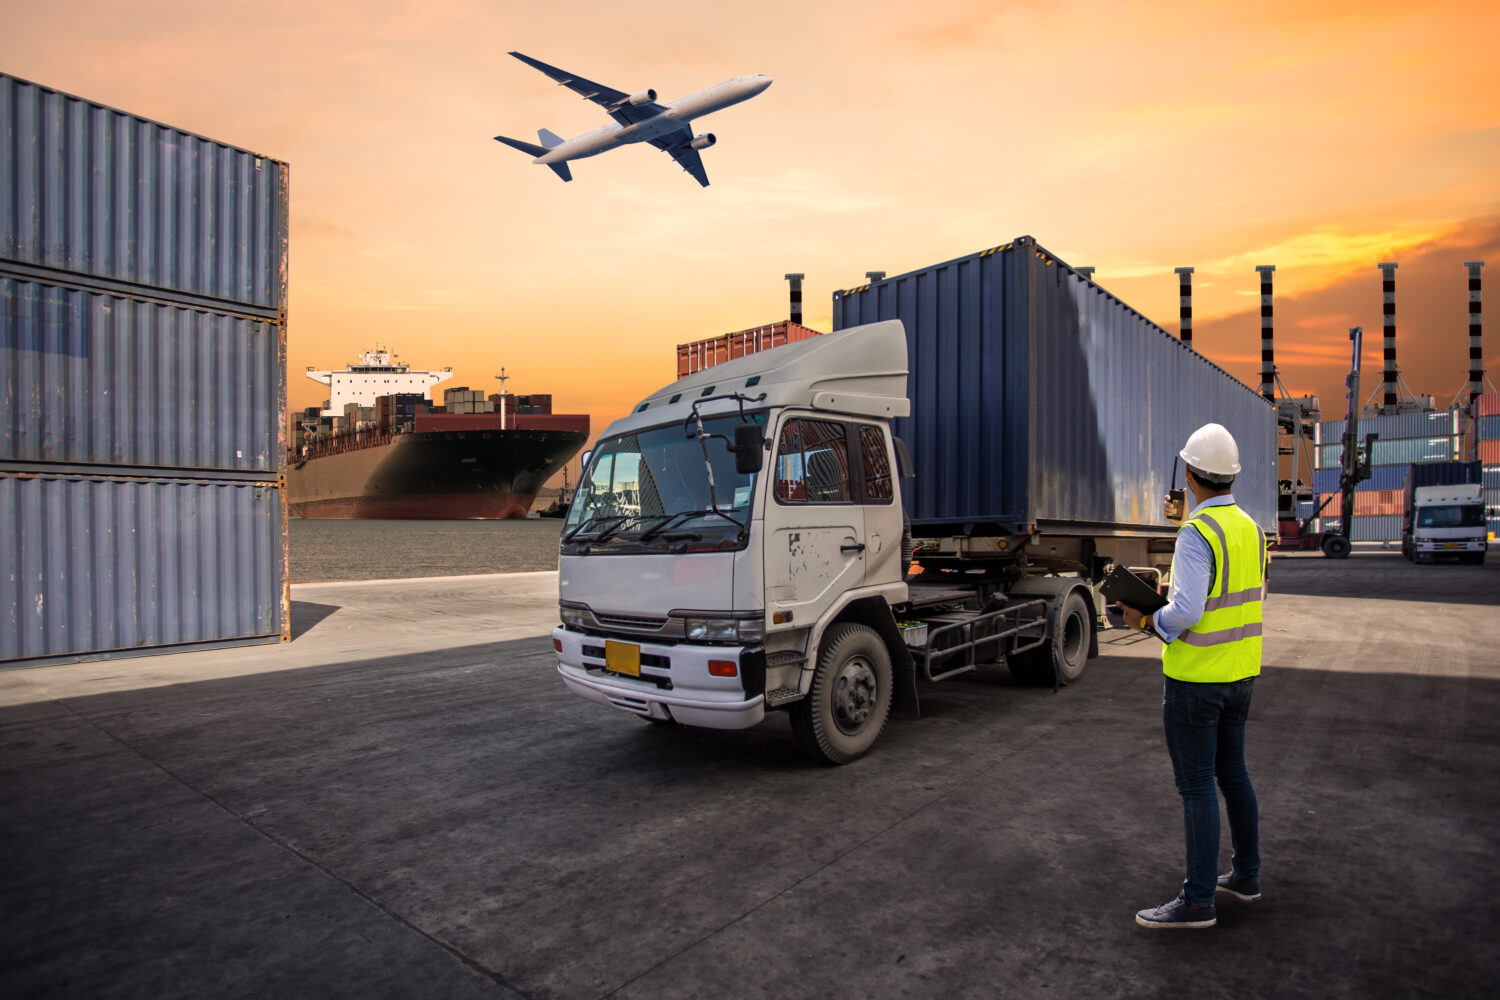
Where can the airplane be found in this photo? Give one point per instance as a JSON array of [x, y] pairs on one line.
[[638, 118]]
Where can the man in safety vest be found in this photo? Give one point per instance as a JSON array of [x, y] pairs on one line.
[[1211, 626]]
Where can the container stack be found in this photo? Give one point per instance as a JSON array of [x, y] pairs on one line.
[[142, 409], [462, 399], [1487, 431], [1405, 439]]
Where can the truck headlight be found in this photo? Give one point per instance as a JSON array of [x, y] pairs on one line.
[[574, 617], [724, 629]]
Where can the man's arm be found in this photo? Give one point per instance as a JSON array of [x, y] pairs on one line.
[[1192, 568]]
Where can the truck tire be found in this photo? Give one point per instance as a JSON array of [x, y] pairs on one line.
[[1336, 547], [1066, 650], [850, 699]]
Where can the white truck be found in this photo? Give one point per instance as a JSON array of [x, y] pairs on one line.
[[1444, 521], [740, 542]]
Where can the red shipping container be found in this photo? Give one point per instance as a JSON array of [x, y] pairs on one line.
[[491, 422], [1369, 503], [1489, 404], [701, 354], [551, 422], [1489, 452]]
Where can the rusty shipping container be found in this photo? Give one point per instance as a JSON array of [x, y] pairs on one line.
[[143, 351], [701, 354], [1042, 403]]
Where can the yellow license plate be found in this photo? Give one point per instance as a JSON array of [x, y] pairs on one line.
[[1450, 545], [622, 658]]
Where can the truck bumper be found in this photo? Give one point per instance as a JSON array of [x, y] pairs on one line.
[[1451, 546], [675, 681]]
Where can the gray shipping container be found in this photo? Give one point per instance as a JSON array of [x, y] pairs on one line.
[[143, 271], [1042, 402]]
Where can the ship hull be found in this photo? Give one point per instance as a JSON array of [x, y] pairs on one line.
[[450, 474]]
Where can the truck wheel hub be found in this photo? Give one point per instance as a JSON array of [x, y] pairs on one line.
[[854, 695]]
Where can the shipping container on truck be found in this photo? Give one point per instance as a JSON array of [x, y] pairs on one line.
[[142, 409], [1444, 514], [738, 543]]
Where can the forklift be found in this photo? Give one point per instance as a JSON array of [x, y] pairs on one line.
[[1293, 535]]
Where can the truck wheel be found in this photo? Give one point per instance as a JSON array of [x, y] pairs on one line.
[[844, 712], [1336, 547], [1066, 648]]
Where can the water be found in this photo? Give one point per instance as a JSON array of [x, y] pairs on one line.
[[388, 550]]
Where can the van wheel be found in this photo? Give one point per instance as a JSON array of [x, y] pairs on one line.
[[844, 712], [1066, 649]]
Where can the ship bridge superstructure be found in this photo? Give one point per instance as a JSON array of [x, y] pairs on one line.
[[376, 373]]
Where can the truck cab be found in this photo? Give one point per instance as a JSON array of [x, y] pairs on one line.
[[1445, 521], [730, 527]]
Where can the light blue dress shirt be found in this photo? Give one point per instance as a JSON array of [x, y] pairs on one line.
[[1192, 572]]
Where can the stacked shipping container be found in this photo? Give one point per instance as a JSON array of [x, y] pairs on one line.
[[143, 344], [1407, 439]]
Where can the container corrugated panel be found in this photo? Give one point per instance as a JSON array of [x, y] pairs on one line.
[[1038, 398], [1489, 428], [99, 379], [1489, 452], [1372, 503], [95, 191], [1489, 404], [1397, 425], [1377, 529], [1491, 476], [1396, 452], [130, 566], [711, 351], [1382, 477], [1442, 474]]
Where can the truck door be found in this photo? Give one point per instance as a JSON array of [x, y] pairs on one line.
[[883, 524], [816, 543]]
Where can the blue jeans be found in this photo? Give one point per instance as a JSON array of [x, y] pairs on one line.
[[1205, 726]]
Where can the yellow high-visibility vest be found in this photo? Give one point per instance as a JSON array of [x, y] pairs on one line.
[[1224, 645]]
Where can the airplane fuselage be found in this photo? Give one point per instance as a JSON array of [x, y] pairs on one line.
[[675, 115]]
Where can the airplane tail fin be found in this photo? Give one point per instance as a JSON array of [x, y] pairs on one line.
[[560, 169], [549, 139]]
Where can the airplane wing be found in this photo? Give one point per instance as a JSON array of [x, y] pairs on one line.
[[616, 102], [677, 146]]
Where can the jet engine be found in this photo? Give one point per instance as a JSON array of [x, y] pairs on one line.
[[704, 141], [647, 96]]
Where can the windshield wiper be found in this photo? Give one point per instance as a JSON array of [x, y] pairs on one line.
[[614, 518], [618, 526], [672, 518]]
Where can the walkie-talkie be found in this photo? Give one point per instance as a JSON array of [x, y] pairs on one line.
[[1177, 494]]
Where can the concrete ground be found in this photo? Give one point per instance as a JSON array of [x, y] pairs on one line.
[[405, 802]]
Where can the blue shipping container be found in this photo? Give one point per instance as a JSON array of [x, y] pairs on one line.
[[1399, 425], [1402, 451], [95, 191], [1040, 399], [136, 565], [99, 379], [1382, 477], [1489, 428], [1491, 477]]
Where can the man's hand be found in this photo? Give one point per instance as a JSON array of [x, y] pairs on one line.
[[1171, 509], [1131, 615]]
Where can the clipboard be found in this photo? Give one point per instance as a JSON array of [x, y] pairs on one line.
[[1124, 587]]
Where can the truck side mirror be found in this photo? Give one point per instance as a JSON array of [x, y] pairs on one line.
[[749, 444]]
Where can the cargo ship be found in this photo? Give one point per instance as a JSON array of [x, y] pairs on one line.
[[380, 448]]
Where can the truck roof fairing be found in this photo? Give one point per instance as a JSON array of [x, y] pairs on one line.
[[860, 371]]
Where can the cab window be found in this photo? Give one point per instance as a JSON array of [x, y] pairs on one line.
[[812, 462], [879, 486]]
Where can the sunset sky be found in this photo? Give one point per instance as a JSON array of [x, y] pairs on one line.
[[1319, 137]]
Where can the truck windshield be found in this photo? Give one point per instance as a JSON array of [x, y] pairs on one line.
[[1451, 516], [637, 482]]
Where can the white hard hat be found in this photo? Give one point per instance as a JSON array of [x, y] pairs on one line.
[[1211, 449]]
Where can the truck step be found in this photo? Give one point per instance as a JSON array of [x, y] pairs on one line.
[[782, 696]]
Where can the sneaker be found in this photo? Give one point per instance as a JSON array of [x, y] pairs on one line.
[[1177, 913], [1246, 887]]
